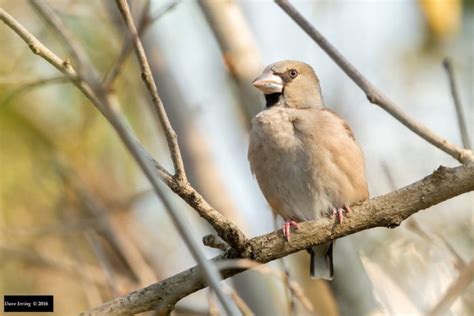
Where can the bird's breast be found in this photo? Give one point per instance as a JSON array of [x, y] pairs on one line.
[[282, 166], [275, 128]]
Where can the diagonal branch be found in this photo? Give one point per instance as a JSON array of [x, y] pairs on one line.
[[145, 21], [225, 229], [466, 142], [374, 95], [105, 104], [384, 211], [150, 84], [83, 65]]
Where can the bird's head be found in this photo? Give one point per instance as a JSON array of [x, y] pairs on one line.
[[291, 84]]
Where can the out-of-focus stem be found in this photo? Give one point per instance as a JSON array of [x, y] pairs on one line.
[[239, 49]]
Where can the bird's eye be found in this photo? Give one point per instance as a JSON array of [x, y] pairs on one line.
[[293, 73]]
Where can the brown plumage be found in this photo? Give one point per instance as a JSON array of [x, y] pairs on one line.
[[303, 155]]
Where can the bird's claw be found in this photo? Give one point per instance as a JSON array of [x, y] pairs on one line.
[[340, 212], [286, 229]]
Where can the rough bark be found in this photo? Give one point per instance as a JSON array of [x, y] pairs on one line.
[[384, 211]]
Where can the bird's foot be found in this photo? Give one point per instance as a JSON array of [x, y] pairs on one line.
[[286, 229], [340, 212]]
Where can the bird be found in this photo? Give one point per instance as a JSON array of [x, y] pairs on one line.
[[304, 156]]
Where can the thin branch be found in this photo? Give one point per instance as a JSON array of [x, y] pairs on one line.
[[293, 286], [165, 8], [213, 309], [28, 86], [239, 301], [83, 64], [227, 230], [215, 242], [374, 95], [147, 77], [384, 211], [414, 226], [457, 104], [145, 21], [113, 73], [465, 278], [108, 107], [105, 105], [209, 270]]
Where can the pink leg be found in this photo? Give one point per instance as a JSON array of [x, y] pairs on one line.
[[286, 228], [340, 212]]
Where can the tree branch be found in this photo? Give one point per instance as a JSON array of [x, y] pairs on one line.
[[106, 105], [150, 84], [457, 104], [374, 95], [384, 211], [145, 20], [83, 64], [225, 229]]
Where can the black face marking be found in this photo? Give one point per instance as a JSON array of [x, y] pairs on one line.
[[288, 75], [272, 99], [285, 76]]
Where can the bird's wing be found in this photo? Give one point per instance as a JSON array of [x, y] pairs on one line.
[[337, 159]]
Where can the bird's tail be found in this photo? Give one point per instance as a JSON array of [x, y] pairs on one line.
[[321, 266]]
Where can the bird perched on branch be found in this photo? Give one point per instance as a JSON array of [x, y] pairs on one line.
[[304, 156]]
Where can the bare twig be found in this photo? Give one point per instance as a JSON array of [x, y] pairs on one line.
[[127, 46], [457, 104], [414, 226], [384, 211], [31, 83], [213, 309], [292, 286], [104, 104], [28, 86], [165, 8], [465, 278], [149, 82], [216, 242], [239, 301], [145, 21], [374, 95], [226, 229], [209, 270], [83, 64]]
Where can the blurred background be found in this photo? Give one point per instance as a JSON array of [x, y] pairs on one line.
[[78, 219]]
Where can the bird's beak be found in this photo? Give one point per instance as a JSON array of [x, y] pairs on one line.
[[269, 83]]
